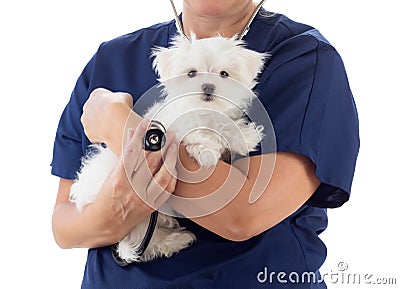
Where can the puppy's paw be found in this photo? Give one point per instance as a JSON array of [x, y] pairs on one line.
[[254, 134], [257, 136], [248, 140], [206, 157]]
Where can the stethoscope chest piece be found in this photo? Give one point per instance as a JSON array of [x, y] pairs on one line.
[[154, 138]]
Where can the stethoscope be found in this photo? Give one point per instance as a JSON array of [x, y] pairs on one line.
[[154, 140]]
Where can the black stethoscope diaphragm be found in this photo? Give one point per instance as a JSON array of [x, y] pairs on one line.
[[154, 138]]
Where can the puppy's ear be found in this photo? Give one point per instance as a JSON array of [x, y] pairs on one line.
[[253, 63], [164, 57], [162, 61]]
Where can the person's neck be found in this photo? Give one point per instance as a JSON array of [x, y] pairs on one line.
[[204, 26]]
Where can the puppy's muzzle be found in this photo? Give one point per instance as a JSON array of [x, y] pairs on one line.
[[208, 89]]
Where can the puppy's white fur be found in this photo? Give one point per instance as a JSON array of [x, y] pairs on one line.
[[218, 113]]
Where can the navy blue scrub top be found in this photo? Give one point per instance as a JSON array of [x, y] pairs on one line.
[[305, 90]]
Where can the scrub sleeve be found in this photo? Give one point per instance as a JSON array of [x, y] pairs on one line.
[[306, 92], [71, 143]]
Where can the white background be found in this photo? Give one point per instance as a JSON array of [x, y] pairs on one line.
[[44, 47]]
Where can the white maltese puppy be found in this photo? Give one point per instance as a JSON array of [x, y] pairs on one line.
[[206, 93]]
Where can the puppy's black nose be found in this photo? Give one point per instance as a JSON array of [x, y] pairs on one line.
[[208, 88]]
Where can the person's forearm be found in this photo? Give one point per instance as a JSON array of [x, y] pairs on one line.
[[222, 198], [105, 221], [101, 223], [72, 229], [254, 194]]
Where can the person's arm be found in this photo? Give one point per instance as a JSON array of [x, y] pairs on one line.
[[292, 182], [258, 205], [118, 207], [90, 228]]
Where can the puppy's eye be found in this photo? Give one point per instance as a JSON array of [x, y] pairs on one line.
[[192, 73], [224, 74]]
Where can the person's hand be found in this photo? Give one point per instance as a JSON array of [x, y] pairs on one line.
[[139, 184], [150, 174], [98, 111]]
